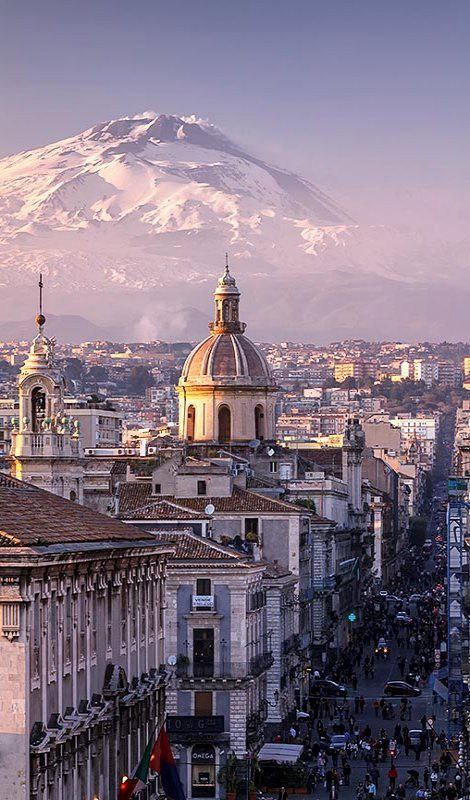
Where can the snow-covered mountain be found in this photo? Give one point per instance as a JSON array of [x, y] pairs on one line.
[[129, 221]]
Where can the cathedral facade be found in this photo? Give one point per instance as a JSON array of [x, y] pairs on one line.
[[226, 390]]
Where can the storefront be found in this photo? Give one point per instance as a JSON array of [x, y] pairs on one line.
[[203, 771]]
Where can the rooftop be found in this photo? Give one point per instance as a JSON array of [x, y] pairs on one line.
[[135, 497], [30, 516]]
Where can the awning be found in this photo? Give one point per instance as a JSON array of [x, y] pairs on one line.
[[281, 753]]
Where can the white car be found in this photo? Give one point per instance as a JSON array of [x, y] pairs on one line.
[[402, 616], [338, 741]]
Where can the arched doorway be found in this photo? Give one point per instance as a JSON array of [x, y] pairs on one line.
[[191, 423], [259, 423], [38, 408], [225, 424]]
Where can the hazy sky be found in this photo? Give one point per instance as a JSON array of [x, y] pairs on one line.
[[354, 94]]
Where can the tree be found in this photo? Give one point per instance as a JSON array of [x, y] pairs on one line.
[[306, 503], [139, 380]]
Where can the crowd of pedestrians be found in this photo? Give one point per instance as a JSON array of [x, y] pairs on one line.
[[374, 735]]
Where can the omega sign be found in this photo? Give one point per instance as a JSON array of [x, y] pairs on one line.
[[195, 725]]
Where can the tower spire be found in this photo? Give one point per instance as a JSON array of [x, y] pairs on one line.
[[40, 318]]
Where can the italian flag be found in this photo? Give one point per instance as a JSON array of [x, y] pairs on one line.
[[130, 787]]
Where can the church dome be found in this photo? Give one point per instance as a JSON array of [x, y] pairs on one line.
[[226, 390], [225, 358]]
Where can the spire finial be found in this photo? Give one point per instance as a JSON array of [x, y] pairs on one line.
[[226, 262], [40, 318]]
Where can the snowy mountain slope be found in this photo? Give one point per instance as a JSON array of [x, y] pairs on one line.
[[140, 211]]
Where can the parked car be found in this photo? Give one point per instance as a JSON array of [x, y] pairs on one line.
[[415, 598], [401, 689], [322, 687]]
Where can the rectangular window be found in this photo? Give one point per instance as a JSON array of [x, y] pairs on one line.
[[123, 616], [203, 586], [109, 617], [201, 488], [94, 621], [273, 466], [68, 627], [203, 652], [251, 529], [82, 622], [53, 633], [203, 704], [158, 488]]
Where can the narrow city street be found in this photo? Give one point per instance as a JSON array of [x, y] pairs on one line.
[[371, 744]]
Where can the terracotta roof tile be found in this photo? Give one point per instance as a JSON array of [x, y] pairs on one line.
[[32, 516], [164, 509], [189, 547], [133, 496]]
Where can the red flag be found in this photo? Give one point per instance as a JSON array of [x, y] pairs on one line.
[[162, 762]]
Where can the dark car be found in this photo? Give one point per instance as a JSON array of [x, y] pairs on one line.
[[401, 689], [325, 688]]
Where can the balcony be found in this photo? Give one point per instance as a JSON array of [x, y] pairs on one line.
[[202, 602], [290, 644], [208, 671], [260, 663]]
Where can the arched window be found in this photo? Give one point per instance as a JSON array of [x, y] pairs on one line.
[[191, 423], [73, 496], [225, 311], [225, 424], [259, 423], [38, 408]]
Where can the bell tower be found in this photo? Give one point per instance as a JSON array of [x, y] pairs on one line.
[[46, 448]]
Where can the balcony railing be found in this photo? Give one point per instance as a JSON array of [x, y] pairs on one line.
[[200, 670]]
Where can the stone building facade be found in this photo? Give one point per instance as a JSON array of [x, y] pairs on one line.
[[81, 647]]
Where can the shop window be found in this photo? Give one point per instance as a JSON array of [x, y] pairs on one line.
[[203, 704], [203, 771]]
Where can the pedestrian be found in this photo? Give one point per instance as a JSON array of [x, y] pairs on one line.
[[354, 681], [392, 776], [362, 703], [347, 773], [329, 781], [426, 778], [282, 793], [372, 790], [376, 707], [356, 704]]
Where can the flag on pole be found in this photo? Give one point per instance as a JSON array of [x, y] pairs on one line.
[[130, 787], [162, 762]]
